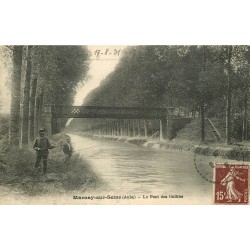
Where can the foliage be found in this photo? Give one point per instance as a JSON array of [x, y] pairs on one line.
[[163, 76], [60, 70]]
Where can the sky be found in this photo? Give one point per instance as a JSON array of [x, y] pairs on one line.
[[102, 62], [4, 91]]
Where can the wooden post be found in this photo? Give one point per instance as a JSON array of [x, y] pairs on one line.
[[128, 127], [106, 127], [117, 127], [139, 128], [112, 128], [124, 127], [121, 127], [145, 128], [133, 124], [103, 128], [109, 128]]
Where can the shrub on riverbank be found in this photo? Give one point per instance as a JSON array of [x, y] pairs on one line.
[[233, 152], [18, 175], [192, 131]]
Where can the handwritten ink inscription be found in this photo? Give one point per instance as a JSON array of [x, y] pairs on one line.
[[106, 53]]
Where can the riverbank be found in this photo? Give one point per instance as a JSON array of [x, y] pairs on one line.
[[239, 152], [18, 177]]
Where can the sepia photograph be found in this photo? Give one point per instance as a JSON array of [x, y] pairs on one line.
[[144, 124], [124, 124]]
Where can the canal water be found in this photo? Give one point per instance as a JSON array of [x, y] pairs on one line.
[[137, 170]]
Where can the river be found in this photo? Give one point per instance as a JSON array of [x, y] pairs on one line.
[[137, 170]]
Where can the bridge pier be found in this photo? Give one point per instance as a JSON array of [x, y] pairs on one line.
[[170, 123], [166, 126], [163, 129], [145, 129]]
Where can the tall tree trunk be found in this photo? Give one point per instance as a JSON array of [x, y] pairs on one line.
[[202, 104], [15, 96], [229, 97], [202, 111], [38, 113], [244, 132], [25, 99], [32, 108]]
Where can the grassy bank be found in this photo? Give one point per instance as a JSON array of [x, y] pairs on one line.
[[17, 175]]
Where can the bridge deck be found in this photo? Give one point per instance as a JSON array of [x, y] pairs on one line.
[[109, 112]]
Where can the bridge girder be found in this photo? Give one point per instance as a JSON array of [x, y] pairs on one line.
[[109, 112]]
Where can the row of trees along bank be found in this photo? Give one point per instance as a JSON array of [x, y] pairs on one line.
[[38, 76], [211, 81]]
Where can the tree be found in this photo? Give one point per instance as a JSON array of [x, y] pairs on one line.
[[44, 75], [240, 86], [59, 71], [32, 107], [202, 104], [229, 95], [189, 78], [15, 96], [26, 97]]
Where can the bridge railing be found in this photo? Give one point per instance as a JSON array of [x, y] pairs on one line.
[[109, 112]]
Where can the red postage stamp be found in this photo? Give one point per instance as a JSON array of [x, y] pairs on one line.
[[231, 183]]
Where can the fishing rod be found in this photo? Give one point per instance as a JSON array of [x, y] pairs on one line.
[[75, 142], [74, 150], [88, 148]]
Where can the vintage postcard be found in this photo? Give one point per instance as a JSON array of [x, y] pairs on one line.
[[124, 124]]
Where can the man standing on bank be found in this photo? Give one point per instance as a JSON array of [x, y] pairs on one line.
[[67, 150], [42, 146]]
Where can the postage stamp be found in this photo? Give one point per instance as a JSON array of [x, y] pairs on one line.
[[231, 183]]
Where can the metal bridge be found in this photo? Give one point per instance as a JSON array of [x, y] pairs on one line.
[[109, 112], [166, 117]]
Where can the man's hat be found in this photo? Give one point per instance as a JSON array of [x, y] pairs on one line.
[[42, 130]]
